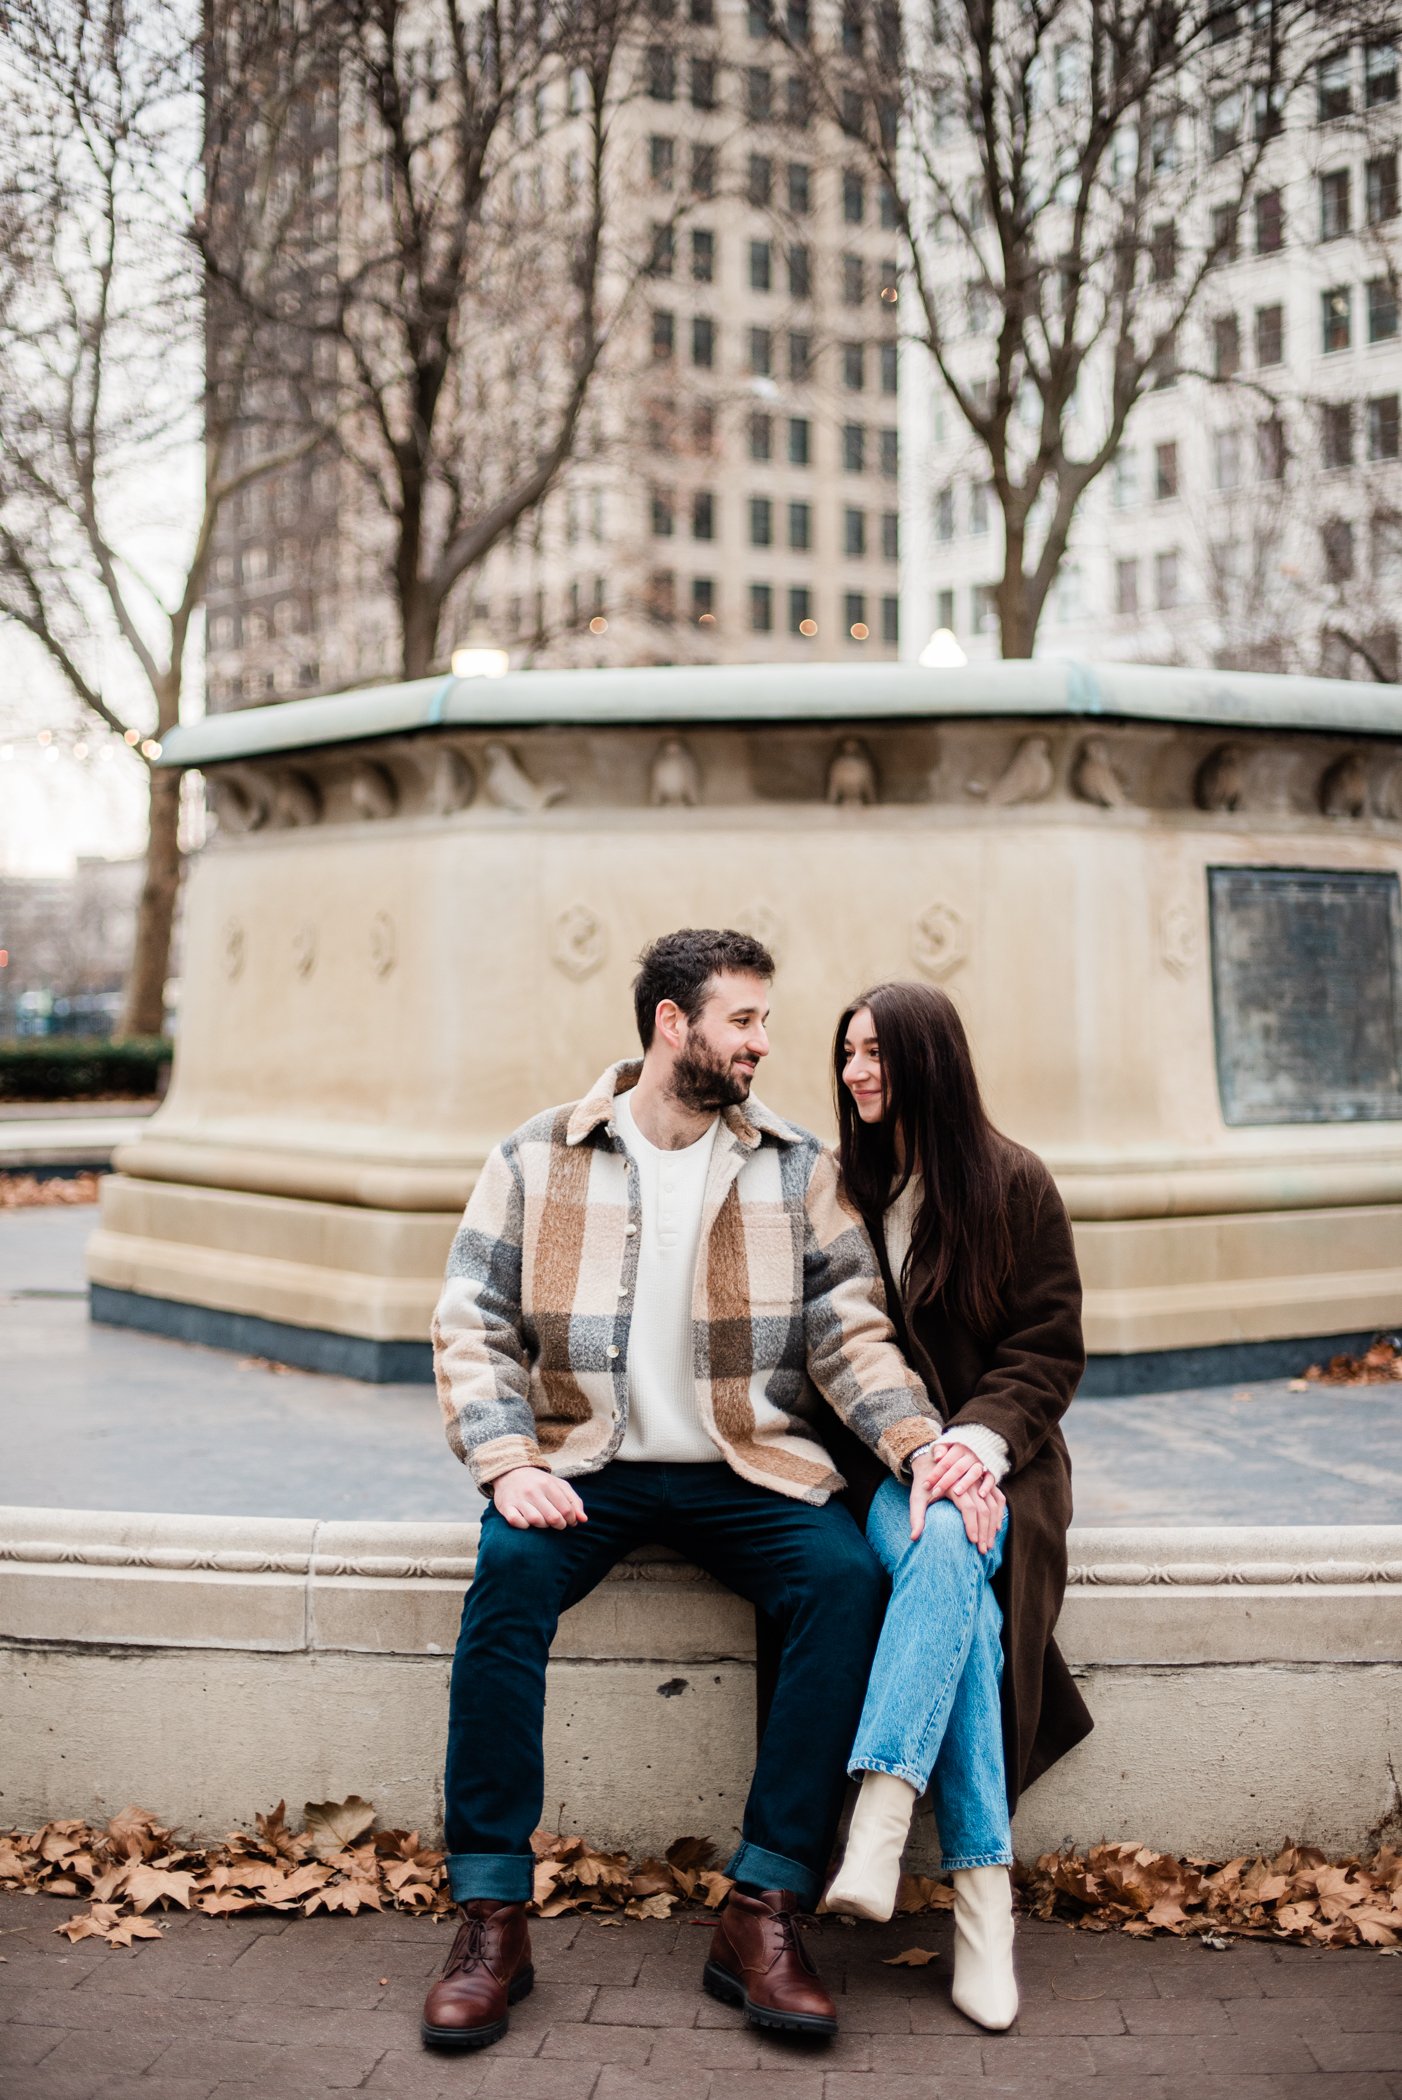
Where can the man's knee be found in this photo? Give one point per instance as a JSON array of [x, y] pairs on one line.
[[519, 1573], [842, 1574]]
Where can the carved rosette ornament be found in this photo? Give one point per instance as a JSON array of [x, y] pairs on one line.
[[939, 940], [578, 942], [304, 950], [1178, 937]]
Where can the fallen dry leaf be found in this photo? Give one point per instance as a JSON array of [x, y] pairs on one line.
[[332, 1825], [1380, 1364], [911, 1958]]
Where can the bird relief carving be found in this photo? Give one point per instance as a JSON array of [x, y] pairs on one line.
[[851, 776], [511, 787], [1029, 776], [1094, 778], [675, 782]]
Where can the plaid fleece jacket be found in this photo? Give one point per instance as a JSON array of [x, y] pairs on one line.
[[530, 1337]]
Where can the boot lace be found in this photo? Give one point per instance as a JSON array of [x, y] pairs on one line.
[[470, 1945]]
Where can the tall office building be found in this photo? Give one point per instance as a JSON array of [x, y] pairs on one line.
[[734, 496], [1253, 515]]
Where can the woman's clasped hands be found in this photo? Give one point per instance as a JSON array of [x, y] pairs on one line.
[[953, 1473]]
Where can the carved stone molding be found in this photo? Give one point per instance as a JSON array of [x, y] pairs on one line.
[[304, 949], [233, 949], [1179, 937], [1343, 790], [939, 940], [298, 799], [578, 942], [374, 791]]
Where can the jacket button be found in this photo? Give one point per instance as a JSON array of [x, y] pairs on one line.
[[612, 1349], [630, 1230]]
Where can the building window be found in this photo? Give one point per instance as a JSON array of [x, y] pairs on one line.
[[1337, 317], [1226, 346], [801, 527], [1167, 579], [800, 271], [703, 515], [1379, 74], [851, 112], [853, 197], [890, 535], [1382, 310], [853, 280], [1165, 472], [1270, 222], [984, 606], [799, 21], [703, 600], [1267, 118], [853, 367], [888, 368], [1333, 205], [703, 254], [1380, 189], [757, 16], [759, 187], [1336, 429], [761, 608], [854, 614], [1226, 459], [661, 73], [798, 102], [800, 357], [891, 621], [1225, 230], [944, 514], [1337, 539], [1163, 252], [704, 171], [661, 510], [890, 212], [854, 533], [1126, 587], [1382, 427], [800, 442], [664, 250], [1164, 365], [761, 266], [661, 591], [703, 439], [761, 435], [664, 333], [944, 609], [800, 189], [661, 161], [703, 340], [761, 352], [1270, 335], [761, 522], [1270, 449], [703, 83], [1226, 123], [1124, 480], [980, 507], [890, 454], [854, 447], [1335, 86], [759, 94], [801, 619]]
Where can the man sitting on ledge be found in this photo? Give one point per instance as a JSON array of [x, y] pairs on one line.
[[642, 1288]]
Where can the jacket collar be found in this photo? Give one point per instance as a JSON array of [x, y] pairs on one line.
[[748, 1125]]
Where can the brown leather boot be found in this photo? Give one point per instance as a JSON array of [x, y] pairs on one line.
[[758, 1960], [488, 1969]]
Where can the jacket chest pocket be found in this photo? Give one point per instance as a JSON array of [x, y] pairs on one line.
[[771, 1262]]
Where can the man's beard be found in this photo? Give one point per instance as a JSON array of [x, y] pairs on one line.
[[701, 1082]]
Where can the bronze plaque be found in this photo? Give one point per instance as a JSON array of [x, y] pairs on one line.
[[1305, 983]]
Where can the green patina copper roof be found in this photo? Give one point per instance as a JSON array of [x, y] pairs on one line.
[[693, 695]]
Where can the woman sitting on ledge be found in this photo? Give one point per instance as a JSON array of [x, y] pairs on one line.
[[969, 1695]]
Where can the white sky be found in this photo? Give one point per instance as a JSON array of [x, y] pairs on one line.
[[54, 803]]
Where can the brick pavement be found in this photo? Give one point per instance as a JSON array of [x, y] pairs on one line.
[[307, 2008]]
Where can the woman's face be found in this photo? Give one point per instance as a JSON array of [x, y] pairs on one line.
[[861, 1067]]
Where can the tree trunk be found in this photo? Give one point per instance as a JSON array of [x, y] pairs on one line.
[[419, 618], [1017, 622], [144, 1012]]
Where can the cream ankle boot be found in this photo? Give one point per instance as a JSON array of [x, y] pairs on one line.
[[865, 1884], [985, 1988]]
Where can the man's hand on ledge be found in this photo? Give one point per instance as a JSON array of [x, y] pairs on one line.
[[952, 1473], [528, 1496]]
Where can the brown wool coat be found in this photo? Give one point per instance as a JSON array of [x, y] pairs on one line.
[[1019, 1383]]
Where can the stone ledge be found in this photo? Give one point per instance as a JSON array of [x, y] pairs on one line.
[[1247, 1684]]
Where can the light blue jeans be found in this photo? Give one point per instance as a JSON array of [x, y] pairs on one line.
[[933, 1713]]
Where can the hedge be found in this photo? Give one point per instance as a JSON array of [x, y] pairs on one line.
[[82, 1068]]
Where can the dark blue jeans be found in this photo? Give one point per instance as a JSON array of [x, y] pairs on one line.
[[809, 1569]]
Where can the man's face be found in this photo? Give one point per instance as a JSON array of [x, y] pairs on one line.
[[722, 1047]]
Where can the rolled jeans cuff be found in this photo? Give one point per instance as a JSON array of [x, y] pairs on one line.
[[505, 1877], [771, 1870]]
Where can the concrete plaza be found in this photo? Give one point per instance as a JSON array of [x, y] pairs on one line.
[[96, 1418]]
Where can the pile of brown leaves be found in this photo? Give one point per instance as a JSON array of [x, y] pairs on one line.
[[29, 1192], [1379, 1364], [1299, 1895], [340, 1862]]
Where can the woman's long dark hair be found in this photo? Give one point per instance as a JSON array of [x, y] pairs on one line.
[[961, 1246]]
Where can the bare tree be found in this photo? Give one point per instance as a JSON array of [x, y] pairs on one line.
[[462, 314], [104, 531], [1065, 174]]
